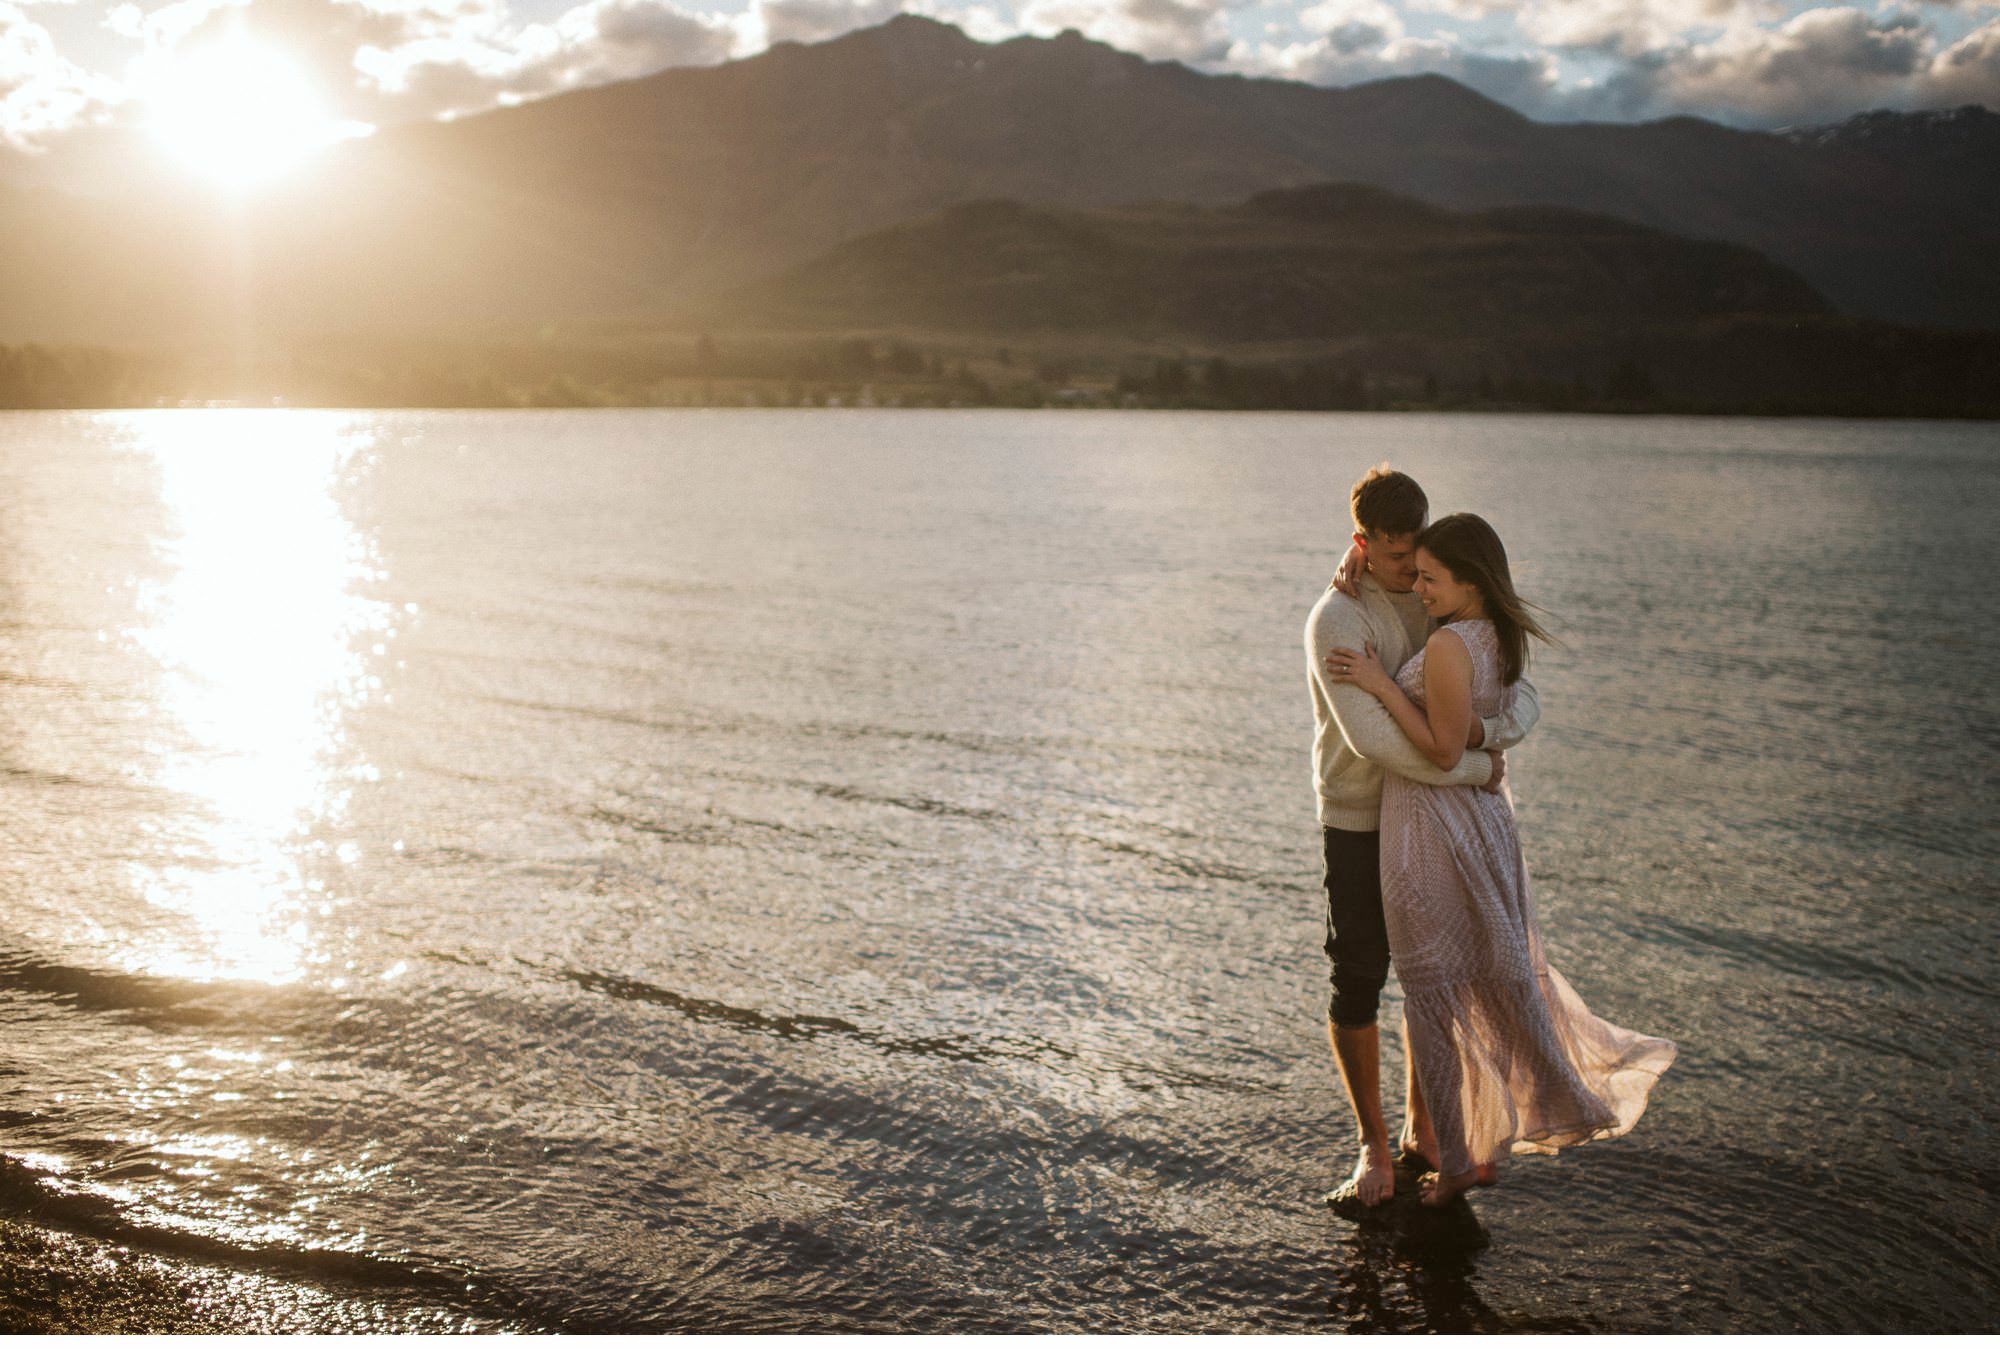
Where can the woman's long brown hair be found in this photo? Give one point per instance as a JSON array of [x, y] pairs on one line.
[[1467, 547]]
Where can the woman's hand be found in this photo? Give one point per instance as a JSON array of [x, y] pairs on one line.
[[1363, 669], [1347, 576]]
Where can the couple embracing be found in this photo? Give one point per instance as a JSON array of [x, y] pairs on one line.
[[1417, 671]]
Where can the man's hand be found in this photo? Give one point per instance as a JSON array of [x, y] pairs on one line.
[[1492, 784]]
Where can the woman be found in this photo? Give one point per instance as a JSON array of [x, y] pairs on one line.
[[1504, 1055]]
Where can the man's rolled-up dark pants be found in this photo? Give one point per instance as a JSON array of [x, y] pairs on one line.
[[1357, 939]]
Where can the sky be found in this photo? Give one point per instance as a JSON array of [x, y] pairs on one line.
[[69, 67]]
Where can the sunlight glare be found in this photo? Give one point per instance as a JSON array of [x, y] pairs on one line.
[[258, 632], [241, 114]]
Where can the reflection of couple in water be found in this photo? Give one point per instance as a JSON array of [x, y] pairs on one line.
[[1417, 689]]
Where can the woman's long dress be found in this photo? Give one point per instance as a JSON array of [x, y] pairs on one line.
[[1508, 1056]]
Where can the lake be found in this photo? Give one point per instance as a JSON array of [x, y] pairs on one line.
[[807, 871]]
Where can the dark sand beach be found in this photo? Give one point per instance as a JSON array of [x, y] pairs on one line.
[[61, 1283]]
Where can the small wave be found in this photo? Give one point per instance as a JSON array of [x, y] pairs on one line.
[[836, 791], [975, 742], [922, 805], [1178, 864], [27, 1192], [151, 997], [806, 1026], [43, 778], [725, 831], [1814, 961], [946, 1047], [648, 585], [16, 679]]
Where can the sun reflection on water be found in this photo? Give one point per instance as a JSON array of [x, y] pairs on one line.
[[263, 641]]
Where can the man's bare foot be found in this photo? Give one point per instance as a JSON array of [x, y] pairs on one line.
[[1374, 1178], [1373, 1181], [1438, 1190], [1372, 1185]]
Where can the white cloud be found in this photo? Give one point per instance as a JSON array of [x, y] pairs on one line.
[[1525, 83], [1966, 72], [1746, 61], [43, 94], [769, 21], [1352, 26], [606, 40], [1820, 65], [982, 23], [1631, 28], [319, 38], [1194, 31], [398, 60], [1744, 64], [1364, 41]]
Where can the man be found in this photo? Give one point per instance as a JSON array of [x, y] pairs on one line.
[[1355, 740]]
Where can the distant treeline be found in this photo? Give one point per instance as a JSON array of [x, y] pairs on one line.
[[1833, 367]]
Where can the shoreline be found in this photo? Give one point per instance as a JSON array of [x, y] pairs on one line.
[[1617, 413], [57, 1281]]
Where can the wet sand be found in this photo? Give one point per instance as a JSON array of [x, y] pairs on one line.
[[56, 1282]]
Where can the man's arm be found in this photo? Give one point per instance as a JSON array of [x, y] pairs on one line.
[[1367, 726], [1511, 727]]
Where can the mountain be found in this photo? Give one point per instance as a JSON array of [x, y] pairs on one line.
[[1314, 265], [637, 199]]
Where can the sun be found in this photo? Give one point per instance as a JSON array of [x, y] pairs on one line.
[[241, 114]]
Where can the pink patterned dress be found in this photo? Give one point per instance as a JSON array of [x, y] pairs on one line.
[[1509, 1057]]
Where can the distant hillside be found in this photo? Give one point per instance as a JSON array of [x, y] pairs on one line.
[[1330, 297], [1309, 264], [634, 199]]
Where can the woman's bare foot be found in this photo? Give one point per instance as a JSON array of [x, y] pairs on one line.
[[1419, 1149], [1438, 1190]]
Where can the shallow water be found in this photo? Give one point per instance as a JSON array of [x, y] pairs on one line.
[[759, 871]]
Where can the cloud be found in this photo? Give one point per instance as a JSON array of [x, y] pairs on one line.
[[1362, 40], [372, 61], [1633, 28], [980, 22], [624, 39], [320, 38], [1754, 62], [42, 94], [1194, 31], [596, 43], [1746, 64], [769, 21], [1821, 65], [1352, 27], [380, 61], [1966, 72]]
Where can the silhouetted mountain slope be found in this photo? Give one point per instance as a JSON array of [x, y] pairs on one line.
[[634, 198], [1306, 264]]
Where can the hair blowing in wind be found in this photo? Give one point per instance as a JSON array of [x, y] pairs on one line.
[[1469, 549]]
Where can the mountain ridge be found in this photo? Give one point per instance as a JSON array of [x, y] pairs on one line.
[[636, 198], [1315, 264]]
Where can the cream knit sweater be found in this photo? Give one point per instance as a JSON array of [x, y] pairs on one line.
[[1354, 737]]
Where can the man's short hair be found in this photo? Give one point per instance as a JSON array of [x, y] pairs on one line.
[[1387, 503]]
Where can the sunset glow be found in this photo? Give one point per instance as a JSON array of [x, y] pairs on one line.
[[241, 115]]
